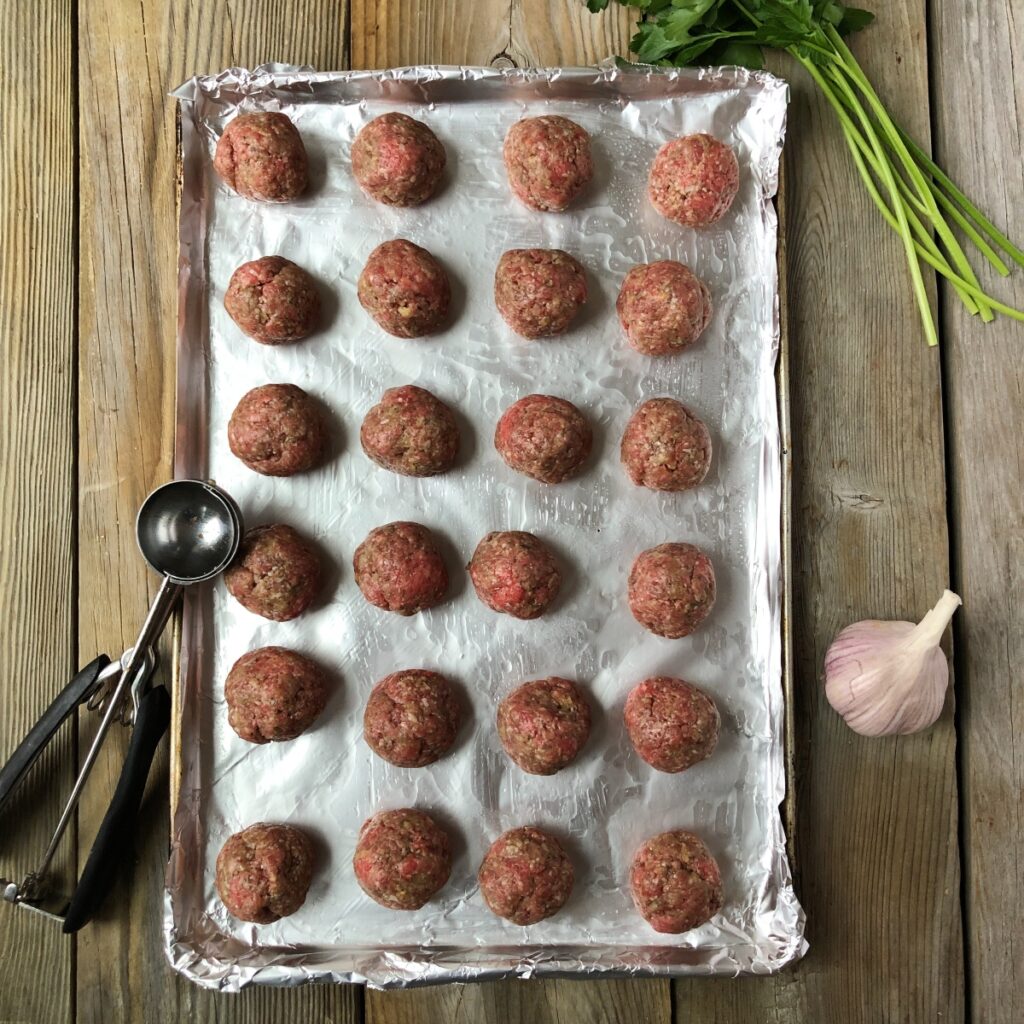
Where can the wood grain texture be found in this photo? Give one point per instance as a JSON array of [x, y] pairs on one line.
[[525, 1002], [390, 33], [876, 840], [130, 55], [978, 86], [37, 344], [561, 33]]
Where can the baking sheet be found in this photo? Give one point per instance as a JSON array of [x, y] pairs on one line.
[[605, 805]]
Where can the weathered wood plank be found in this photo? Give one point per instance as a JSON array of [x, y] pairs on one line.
[[556, 33], [37, 484], [978, 82], [130, 55], [524, 1002], [391, 34], [876, 842]]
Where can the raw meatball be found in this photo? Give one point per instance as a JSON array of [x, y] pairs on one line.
[[544, 724], [671, 723], [666, 447], [663, 307], [539, 291], [274, 694], [276, 573], [412, 432], [694, 180], [672, 589], [397, 160], [525, 876], [405, 289], [278, 430], [264, 871], [398, 568], [548, 161], [516, 573], [544, 437], [402, 858], [261, 156], [273, 300], [411, 718], [676, 882]]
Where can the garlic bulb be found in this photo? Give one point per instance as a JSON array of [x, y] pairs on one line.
[[890, 677]]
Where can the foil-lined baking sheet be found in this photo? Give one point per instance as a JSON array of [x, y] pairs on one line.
[[327, 781]]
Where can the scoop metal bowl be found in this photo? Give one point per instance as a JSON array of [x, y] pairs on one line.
[[188, 530]]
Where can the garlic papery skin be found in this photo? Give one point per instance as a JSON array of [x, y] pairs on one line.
[[888, 678]]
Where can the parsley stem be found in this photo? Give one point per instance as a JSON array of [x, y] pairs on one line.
[[924, 237], [966, 205], [955, 212], [856, 75], [902, 228], [962, 265]]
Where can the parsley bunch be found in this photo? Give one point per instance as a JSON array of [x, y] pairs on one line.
[[918, 201]]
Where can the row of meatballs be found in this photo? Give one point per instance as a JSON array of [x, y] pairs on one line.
[[412, 717], [280, 430], [277, 574], [399, 161], [663, 307], [403, 859]]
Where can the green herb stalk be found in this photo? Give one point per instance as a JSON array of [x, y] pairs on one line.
[[914, 196]]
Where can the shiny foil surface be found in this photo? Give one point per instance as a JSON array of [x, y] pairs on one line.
[[609, 801]]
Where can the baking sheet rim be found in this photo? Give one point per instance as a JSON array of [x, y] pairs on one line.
[[437, 972]]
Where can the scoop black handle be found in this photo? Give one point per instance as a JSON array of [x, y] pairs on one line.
[[78, 690], [115, 839]]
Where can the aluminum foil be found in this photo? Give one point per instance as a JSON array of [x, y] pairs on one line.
[[604, 806]]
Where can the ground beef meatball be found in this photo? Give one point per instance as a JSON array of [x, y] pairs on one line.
[[663, 308], [261, 156], [264, 871], [672, 589], [402, 858], [694, 180], [411, 718], [274, 694], [276, 573], [412, 432], [273, 300], [278, 430], [544, 724], [539, 291], [405, 289], [548, 161], [398, 568], [526, 876], [515, 573], [544, 437], [671, 723], [676, 882], [397, 160], [665, 446]]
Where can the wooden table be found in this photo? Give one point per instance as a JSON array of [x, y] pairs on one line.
[[908, 474]]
